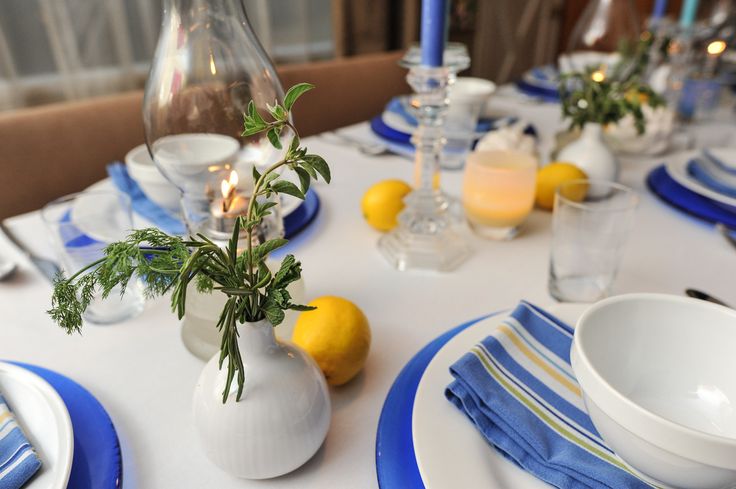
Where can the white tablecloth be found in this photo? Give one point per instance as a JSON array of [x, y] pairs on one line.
[[144, 376]]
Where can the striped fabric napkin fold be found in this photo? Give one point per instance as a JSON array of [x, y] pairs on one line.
[[714, 174], [519, 390], [18, 460]]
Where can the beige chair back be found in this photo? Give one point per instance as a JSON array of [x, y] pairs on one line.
[[50, 151]]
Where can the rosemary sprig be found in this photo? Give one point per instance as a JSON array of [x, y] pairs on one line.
[[170, 263]]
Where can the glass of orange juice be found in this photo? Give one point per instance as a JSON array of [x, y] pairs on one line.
[[498, 191]]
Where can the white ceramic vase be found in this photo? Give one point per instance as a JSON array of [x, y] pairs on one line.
[[198, 330], [590, 153], [282, 417]]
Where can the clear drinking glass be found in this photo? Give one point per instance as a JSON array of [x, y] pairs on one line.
[[467, 100], [588, 239], [80, 226], [498, 191]]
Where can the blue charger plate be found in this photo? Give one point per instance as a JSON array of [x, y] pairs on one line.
[[403, 139], [302, 216], [97, 462], [396, 464], [687, 201], [544, 93]]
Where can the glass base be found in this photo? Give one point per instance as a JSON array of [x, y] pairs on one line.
[[581, 288], [441, 252], [116, 308], [494, 233]]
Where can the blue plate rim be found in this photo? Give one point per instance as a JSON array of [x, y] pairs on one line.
[[53, 377], [396, 465], [665, 188]]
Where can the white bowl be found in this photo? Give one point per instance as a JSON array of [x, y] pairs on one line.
[[658, 375], [156, 187]]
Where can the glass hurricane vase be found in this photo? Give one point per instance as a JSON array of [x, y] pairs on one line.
[[207, 66]]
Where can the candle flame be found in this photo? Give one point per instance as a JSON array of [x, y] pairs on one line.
[[227, 187], [716, 47], [213, 68]]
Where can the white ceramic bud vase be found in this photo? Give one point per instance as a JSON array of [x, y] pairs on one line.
[[591, 154], [282, 417]]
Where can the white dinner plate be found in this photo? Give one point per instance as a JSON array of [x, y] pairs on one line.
[[677, 168], [43, 417], [450, 451]]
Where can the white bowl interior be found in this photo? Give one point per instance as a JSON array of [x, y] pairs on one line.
[[674, 358], [190, 153]]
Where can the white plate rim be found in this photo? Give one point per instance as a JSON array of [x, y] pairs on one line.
[[65, 450], [460, 464], [676, 167], [288, 205]]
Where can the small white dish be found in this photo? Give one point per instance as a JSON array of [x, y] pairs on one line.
[[448, 448], [142, 169], [677, 169], [98, 217], [44, 420], [657, 374]]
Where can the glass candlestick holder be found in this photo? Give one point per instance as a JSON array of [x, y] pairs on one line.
[[426, 237]]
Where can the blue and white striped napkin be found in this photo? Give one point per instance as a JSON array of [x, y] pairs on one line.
[[518, 388], [713, 173], [18, 460]]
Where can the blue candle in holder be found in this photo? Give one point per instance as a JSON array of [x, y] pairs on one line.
[[433, 31], [660, 7]]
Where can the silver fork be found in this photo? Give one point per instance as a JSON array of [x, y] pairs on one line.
[[367, 148], [48, 268], [726, 233]]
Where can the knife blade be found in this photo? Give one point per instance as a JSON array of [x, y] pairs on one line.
[[48, 268]]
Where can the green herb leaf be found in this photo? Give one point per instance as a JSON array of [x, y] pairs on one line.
[[286, 187], [304, 179], [319, 164], [273, 136], [294, 93]]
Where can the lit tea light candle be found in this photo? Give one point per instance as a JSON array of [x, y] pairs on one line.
[[498, 191], [714, 49], [225, 210]]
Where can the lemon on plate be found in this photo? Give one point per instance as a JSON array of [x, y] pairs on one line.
[[382, 202], [552, 176], [336, 335]]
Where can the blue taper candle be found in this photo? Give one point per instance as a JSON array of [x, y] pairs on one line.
[[660, 7], [433, 31], [687, 14]]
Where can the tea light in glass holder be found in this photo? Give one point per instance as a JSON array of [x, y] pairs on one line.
[[498, 191], [225, 210]]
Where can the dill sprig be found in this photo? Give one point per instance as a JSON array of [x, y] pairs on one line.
[[170, 263]]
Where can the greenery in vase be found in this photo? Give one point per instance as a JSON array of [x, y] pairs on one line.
[[170, 263], [590, 96]]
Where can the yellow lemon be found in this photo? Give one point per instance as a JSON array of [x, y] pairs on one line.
[[382, 202], [552, 176], [336, 335]]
